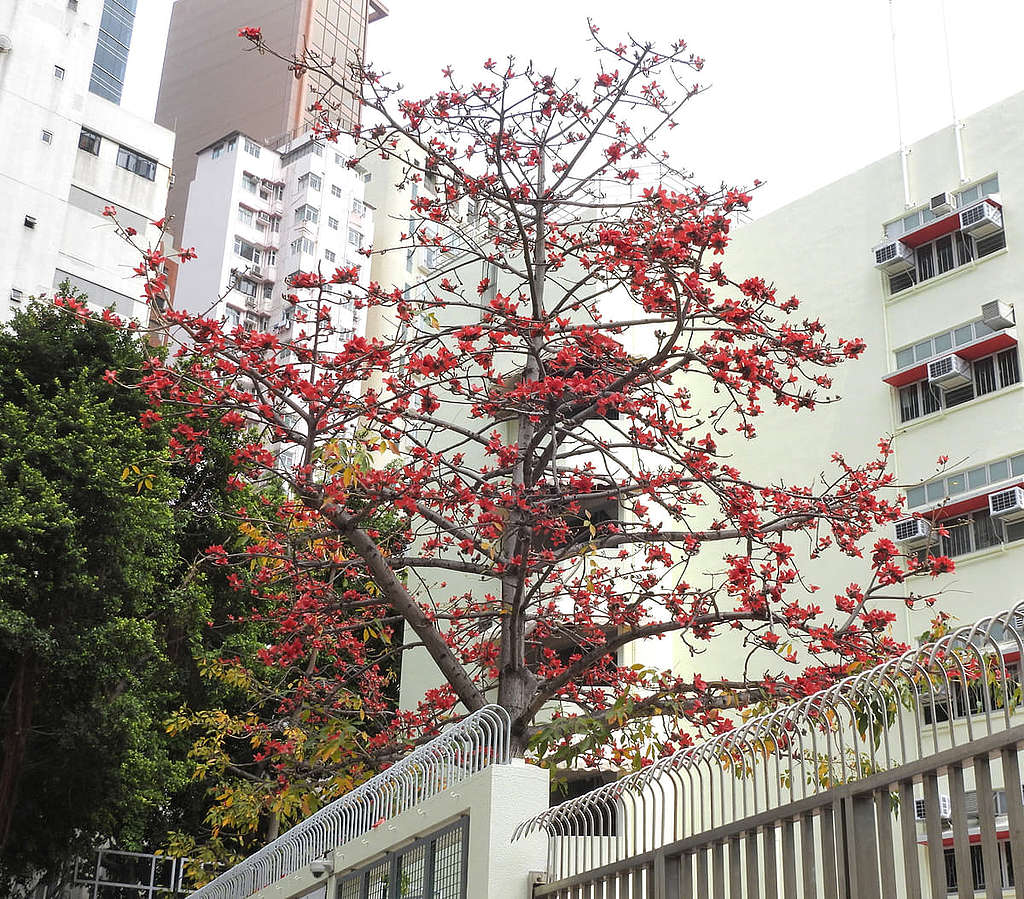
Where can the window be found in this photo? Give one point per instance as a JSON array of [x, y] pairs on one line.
[[136, 163], [976, 479], [46, 136], [410, 256], [303, 245], [245, 215], [112, 43], [231, 144], [217, 151], [355, 237], [330, 256], [250, 183], [358, 208], [89, 141], [270, 257], [335, 190], [16, 295], [247, 287], [311, 181], [978, 867], [972, 194], [307, 213], [252, 148], [30, 222], [247, 250], [943, 255], [989, 374], [942, 343], [268, 291], [58, 72], [332, 223]]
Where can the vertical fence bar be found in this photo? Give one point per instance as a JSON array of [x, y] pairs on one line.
[[865, 849], [807, 856], [771, 873], [1014, 815], [702, 873], [908, 833], [788, 858], [886, 847], [753, 869], [829, 850], [961, 846], [686, 876], [933, 828], [718, 870], [987, 822], [735, 868]]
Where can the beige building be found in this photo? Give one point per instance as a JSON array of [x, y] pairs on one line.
[[211, 85]]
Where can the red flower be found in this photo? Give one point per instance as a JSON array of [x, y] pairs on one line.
[[251, 34]]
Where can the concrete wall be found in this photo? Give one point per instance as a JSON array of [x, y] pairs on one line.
[[495, 800]]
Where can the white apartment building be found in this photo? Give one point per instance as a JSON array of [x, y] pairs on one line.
[[257, 216], [78, 90], [919, 255]]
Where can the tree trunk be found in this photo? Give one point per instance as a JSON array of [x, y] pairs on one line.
[[16, 728]]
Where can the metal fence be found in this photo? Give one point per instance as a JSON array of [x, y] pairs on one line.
[[859, 790], [462, 750], [115, 874], [432, 867]]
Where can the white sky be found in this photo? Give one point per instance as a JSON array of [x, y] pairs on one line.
[[801, 90]]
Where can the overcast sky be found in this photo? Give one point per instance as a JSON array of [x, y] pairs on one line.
[[801, 92]]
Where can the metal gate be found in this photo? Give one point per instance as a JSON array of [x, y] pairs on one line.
[[432, 867]]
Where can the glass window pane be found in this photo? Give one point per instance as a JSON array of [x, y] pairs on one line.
[[981, 329], [956, 483], [910, 222], [923, 350], [1009, 368], [1017, 465], [931, 398], [991, 186], [999, 471], [909, 406], [916, 497], [985, 375], [969, 196], [936, 491], [963, 335], [925, 263], [927, 216], [905, 358], [894, 229], [978, 477], [944, 254], [943, 342]]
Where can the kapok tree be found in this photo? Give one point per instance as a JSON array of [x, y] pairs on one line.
[[550, 409]]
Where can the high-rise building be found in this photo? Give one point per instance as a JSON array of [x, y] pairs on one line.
[[260, 215], [919, 254], [78, 89], [213, 82]]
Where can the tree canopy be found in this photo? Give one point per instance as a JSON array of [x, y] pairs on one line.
[[551, 410]]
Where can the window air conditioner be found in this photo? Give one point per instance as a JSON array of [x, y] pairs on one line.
[[949, 372], [912, 532], [997, 315], [893, 256], [941, 204], [982, 219], [1007, 504], [945, 807]]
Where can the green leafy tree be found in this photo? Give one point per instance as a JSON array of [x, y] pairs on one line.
[[95, 643]]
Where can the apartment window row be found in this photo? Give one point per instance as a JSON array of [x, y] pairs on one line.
[[964, 481], [978, 867], [310, 181], [942, 343], [112, 44], [920, 217], [247, 251], [252, 148], [989, 374], [89, 141], [943, 255], [136, 163]]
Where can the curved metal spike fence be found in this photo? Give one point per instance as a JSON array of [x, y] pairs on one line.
[[963, 686], [462, 750]]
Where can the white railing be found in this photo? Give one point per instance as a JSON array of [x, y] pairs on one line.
[[462, 750], [921, 718]]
